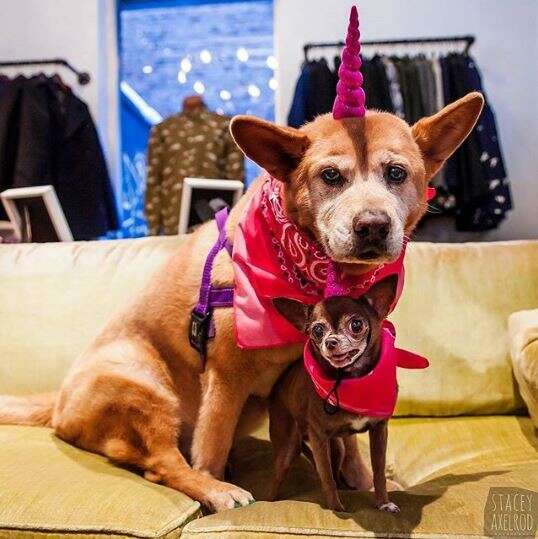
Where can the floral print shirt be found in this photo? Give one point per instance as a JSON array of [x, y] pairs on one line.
[[194, 143]]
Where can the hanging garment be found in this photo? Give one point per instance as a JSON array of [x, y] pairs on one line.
[[376, 85], [394, 87], [194, 143], [427, 85], [314, 92], [438, 77], [10, 98], [323, 80], [477, 174], [48, 137], [410, 86], [298, 111]]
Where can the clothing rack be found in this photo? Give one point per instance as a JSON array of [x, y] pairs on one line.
[[83, 77], [468, 40]]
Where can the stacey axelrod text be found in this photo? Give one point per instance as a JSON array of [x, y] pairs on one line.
[[511, 512]]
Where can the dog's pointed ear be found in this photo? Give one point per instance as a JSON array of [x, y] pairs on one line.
[[278, 150], [440, 135], [381, 295], [295, 312]]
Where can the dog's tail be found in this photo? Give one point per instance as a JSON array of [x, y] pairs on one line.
[[34, 410]]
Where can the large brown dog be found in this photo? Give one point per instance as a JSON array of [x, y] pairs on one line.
[[137, 394]]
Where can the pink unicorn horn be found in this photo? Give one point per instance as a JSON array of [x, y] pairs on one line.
[[350, 97]]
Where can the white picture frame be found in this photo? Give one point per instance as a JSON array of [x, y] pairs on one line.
[[190, 184], [52, 204]]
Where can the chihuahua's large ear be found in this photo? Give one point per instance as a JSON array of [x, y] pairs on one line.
[[440, 135], [276, 149], [382, 294], [293, 311]]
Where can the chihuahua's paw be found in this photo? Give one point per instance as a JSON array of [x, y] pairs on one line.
[[227, 496], [389, 507]]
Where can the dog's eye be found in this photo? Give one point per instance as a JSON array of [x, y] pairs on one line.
[[317, 331], [356, 325], [395, 174], [331, 176]]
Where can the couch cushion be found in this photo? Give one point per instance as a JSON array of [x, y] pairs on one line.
[[523, 329], [48, 486], [454, 310], [54, 298], [447, 466]]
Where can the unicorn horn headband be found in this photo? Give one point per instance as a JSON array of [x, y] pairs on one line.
[[350, 97]]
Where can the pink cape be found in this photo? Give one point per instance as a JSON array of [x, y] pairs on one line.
[[373, 394]]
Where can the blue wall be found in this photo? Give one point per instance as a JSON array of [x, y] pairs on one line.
[[171, 48]]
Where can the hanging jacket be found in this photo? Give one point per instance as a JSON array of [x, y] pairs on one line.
[[298, 110], [47, 136], [193, 143], [10, 95], [315, 92], [376, 85], [476, 173], [324, 80]]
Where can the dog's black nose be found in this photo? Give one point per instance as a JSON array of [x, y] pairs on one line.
[[371, 227], [331, 343]]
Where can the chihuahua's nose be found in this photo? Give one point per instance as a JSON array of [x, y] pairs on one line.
[[331, 343], [371, 227]]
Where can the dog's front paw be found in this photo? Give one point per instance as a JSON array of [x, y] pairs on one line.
[[389, 507], [227, 497]]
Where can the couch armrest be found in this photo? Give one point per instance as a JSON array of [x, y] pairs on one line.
[[523, 332]]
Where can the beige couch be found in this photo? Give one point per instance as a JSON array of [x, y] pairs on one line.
[[468, 433]]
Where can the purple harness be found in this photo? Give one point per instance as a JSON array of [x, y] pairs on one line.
[[202, 327]]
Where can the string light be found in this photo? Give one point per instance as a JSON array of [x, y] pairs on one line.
[[186, 65], [273, 83], [272, 62], [147, 69], [242, 54], [253, 90], [225, 95], [205, 56], [198, 87], [182, 77]]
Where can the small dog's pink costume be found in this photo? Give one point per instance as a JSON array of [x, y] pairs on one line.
[[374, 394]]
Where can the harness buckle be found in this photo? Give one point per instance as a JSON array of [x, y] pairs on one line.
[[199, 332]]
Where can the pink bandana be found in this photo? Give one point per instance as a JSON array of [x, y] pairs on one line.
[[273, 258]]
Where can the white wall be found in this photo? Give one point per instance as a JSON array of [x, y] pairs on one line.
[[506, 50], [83, 32]]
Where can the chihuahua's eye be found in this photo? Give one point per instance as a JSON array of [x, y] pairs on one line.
[[356, 325], [331, 176], [395, 174], [318, 330]]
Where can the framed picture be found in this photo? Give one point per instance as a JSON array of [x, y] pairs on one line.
[[202, 198], [36, 214]]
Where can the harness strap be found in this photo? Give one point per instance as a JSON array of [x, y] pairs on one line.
[[203, 305], [202, 327]]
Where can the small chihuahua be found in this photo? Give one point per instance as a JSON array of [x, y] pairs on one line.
[[345, 337]]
